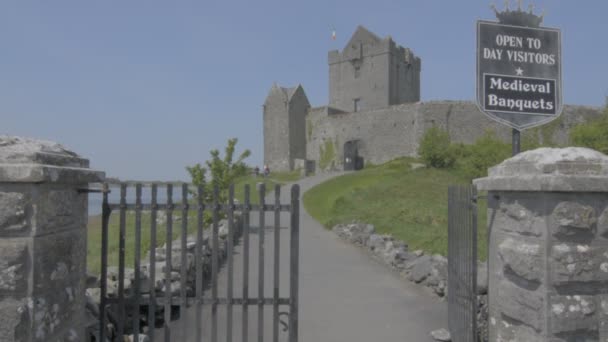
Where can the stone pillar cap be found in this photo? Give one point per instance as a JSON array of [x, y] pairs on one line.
[[550, 169], [32, 160]]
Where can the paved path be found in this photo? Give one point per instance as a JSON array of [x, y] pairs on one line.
[[345, 296]]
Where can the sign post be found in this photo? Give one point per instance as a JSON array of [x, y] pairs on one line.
[[519, 74]]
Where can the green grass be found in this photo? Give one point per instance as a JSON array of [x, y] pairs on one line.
[[94, 224], [409, 204]]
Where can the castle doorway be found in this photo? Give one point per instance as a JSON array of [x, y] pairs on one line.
[[352, 160]]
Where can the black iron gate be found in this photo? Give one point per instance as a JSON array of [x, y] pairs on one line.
[[462, 263], [128, 310]]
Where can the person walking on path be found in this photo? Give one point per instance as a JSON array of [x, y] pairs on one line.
[[266, 171]]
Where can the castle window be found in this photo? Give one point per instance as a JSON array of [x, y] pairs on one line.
[[357, 71], [357, 105]]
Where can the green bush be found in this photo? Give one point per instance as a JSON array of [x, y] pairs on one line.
[[435, 148], [593, 134], [474, 160]]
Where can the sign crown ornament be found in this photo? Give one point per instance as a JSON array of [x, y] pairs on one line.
[[518, 17]]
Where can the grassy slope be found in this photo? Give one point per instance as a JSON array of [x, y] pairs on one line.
[[94, 225], [409, 204]]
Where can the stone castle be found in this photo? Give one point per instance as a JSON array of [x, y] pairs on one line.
[[375, 113]]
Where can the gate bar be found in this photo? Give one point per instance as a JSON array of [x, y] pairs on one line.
[[168, 262], [230, 267], [262, 214], [246, 265], [103, 282], [121, 263], [136, 262], [199, 264], [214, 265], [152, 267], [295, 263], [277, 247], [183, 275]]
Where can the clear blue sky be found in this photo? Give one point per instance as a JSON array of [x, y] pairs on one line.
[[144, 88]]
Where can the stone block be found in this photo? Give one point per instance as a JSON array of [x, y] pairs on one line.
[[507, 330], [60, 209], [57, 316], [573, 313], [59, 259], [16, 320], [524, 259], [574, 220], [521, 305], [602, 302], [15, 265], [579, 263], [602, 224], [15, 208], [523, 215]]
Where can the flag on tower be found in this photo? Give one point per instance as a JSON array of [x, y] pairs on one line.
[[333, 34]]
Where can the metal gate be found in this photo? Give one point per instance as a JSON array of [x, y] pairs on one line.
[[127, 307], [462, 263]]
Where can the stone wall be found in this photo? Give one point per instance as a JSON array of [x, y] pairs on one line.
[[383, 135], [548, 251], [394, 132]]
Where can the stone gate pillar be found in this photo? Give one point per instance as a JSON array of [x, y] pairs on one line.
[[548, 253], [43, 248]]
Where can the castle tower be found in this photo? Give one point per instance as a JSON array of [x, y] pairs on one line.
[[371, 73], [284, 127]]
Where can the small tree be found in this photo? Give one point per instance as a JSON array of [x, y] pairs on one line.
[[223, 171]]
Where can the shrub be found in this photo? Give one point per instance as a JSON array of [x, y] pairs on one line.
[[486, 152], [435, 149], [593, 134]]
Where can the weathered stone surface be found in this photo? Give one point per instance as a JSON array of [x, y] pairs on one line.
[[549, 169], [571, 219], [509, 331], [521, 305], [602, 224], [420, 268], [572, 313], [59, 259], [14, 207], [15, 265], [21, 150], [578, 262], [16, 320], [60, 209], [441, 335], [33, 161], [56, 318], [522, 258], [522, 215]]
